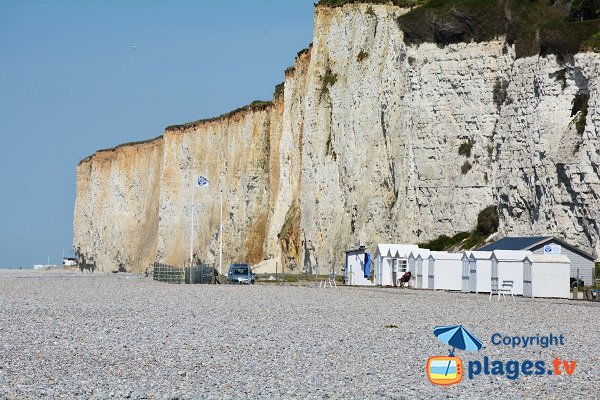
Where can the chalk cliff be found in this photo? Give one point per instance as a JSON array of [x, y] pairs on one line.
[[362, 144]]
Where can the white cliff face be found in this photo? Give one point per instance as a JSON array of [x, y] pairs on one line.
[[363, 146], [116, 209], [380, 153], [546, 168], [234, 155]]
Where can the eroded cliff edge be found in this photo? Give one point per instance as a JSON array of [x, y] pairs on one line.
[[361, 144]]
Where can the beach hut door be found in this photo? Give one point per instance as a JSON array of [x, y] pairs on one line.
[[431, 274], [465, 287], [473, 275], [494, 280], [527, 286], [419, 274]]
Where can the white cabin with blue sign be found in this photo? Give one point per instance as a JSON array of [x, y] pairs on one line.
[[582, 262], [358, 267]]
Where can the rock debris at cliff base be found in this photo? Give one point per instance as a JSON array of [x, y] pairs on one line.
[[102, 336]]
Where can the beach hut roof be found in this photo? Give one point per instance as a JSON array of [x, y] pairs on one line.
[[510, 255], [480, 255], [444, 255], [390, 250], [549, 258], [424, 253]]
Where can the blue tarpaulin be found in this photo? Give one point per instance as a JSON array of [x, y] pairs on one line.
[[367, 265]]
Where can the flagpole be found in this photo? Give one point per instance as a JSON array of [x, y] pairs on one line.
[[192, 231], [221, 238]]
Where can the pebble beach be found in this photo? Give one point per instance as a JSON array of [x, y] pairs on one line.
[[67, 334]]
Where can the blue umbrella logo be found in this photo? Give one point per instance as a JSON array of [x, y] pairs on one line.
[[458, 337]]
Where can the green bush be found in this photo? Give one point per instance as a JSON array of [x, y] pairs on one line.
[[465, 148], [488, 221], [585, 9], [444, 242]]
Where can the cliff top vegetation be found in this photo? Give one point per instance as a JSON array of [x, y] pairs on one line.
[[533, 26], [88, 158], [255, 105], [399, 3]]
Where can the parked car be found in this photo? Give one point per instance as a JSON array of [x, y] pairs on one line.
[[575, 283], [239, 273]]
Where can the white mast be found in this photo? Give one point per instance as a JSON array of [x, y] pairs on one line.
[[221, 238], [192, 231]]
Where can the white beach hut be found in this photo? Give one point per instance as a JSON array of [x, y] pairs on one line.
[[444, 270], [391, 262], [418, 268], [479, 271], [507, 265], [358, 267], [546, 275]]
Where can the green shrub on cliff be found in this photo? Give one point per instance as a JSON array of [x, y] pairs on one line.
[[487, 221], [585, 9], [533, 26]]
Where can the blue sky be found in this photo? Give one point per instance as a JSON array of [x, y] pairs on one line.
[[78, 76]]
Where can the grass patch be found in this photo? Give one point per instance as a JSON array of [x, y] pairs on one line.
[[475, 240], [392, 326], [255, 105], [327, 80], [362, 55], [465, 148], [564, 37], [592, 43]]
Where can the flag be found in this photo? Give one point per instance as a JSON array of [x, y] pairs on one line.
[[202, 181]]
